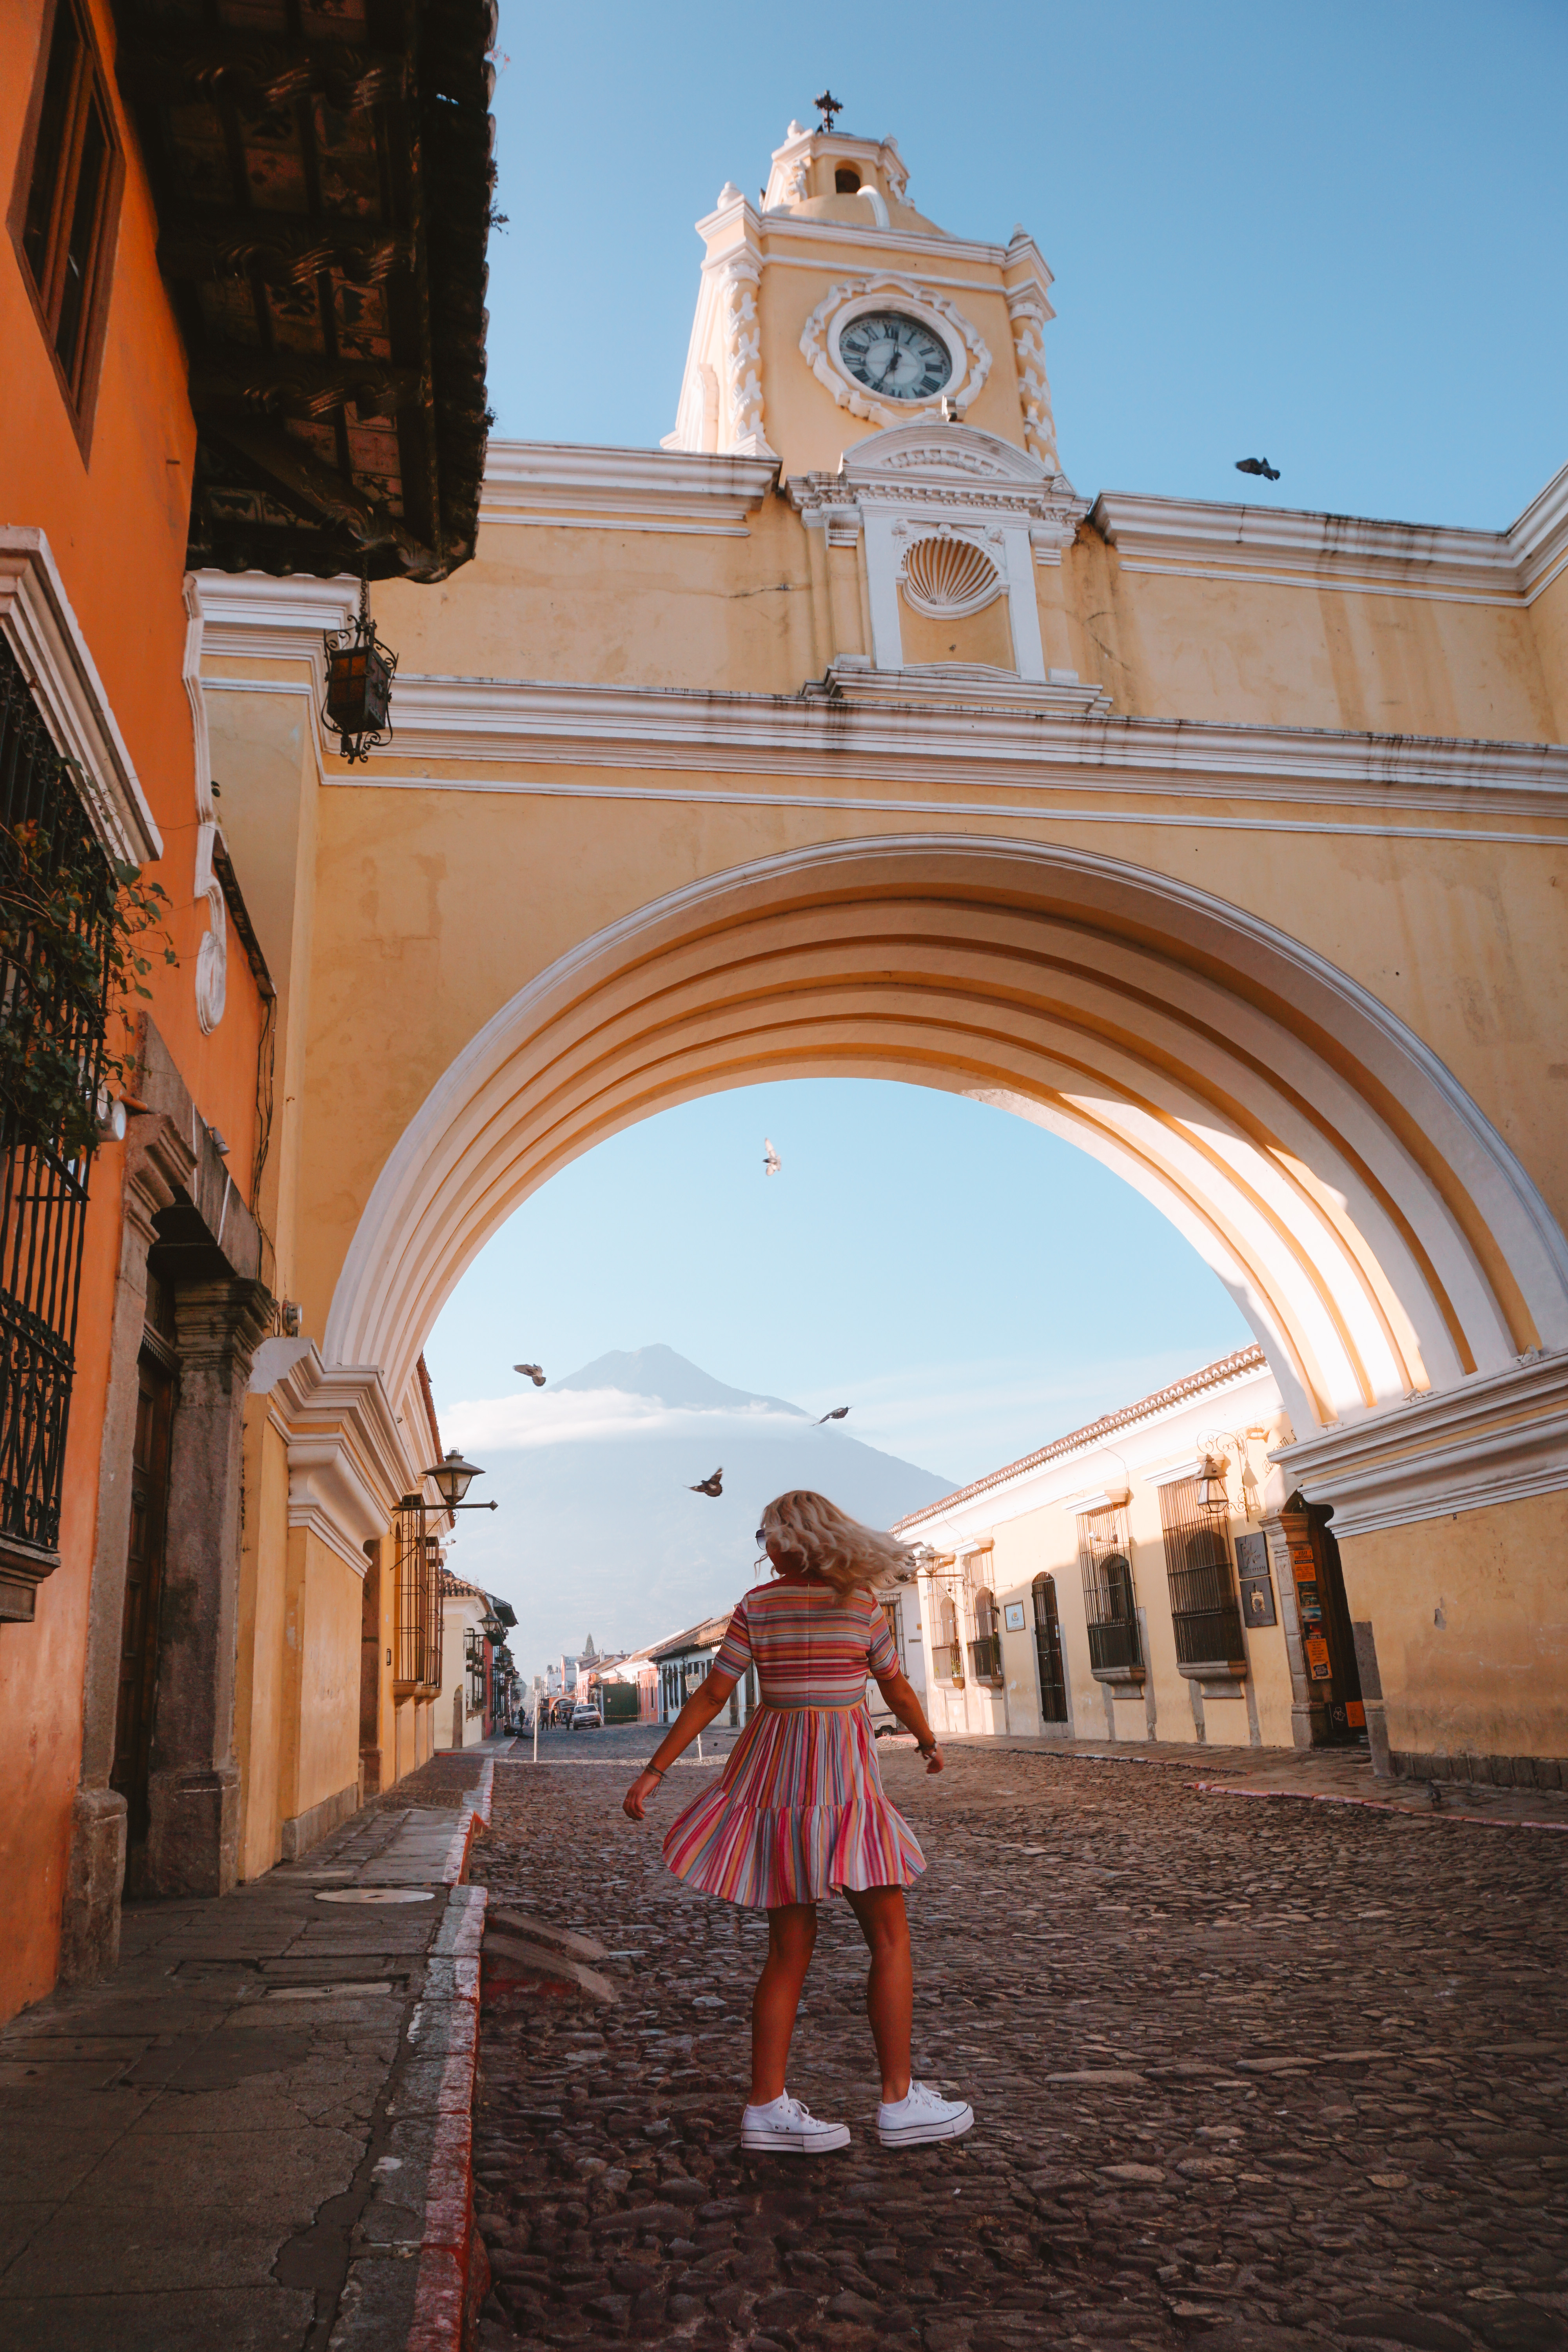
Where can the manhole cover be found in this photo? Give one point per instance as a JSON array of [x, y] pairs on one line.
[[375, 1895]]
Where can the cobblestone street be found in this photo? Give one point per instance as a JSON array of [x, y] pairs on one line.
[[1261, 2075]]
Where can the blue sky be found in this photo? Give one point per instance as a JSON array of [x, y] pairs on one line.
[[1330, 234], [967, 1284]]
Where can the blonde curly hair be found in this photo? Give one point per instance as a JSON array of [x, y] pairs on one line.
[[827, 1542]]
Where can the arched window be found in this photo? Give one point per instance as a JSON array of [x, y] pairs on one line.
[[985, 1650], [1109, 1602], [1049, 1650], [947, 1653], [1204, 1611], [847, 181]]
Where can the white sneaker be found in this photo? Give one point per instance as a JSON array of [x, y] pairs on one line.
[[786, 2128], [920, 2117]]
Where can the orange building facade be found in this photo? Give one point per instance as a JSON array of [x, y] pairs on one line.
[[95, 468], [137, 1618]]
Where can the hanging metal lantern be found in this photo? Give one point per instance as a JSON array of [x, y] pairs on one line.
[[358, 705], [1212, 1494]]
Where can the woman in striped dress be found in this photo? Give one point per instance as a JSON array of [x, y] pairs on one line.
[[799, 1810]]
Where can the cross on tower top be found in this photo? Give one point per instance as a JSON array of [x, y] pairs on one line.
[[828, 106]]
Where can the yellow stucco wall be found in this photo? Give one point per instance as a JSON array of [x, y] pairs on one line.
[[1043, 1542], [321, 1644], [260, 1725], [438, 906], [1469, 1613], [401, 906]]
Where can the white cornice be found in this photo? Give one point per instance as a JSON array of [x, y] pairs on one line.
[[737, 735], [1496, 1439], [871, 241], [622, 489], [1098, 1498], [1171, 1473], [1191, 539], [38, 625], [347, 1461], [951, 686], [1540, 536], [250, 616]]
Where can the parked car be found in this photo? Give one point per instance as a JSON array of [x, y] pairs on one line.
[[587, 1718]]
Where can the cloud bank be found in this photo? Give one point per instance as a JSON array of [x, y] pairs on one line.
[[514, 1424]]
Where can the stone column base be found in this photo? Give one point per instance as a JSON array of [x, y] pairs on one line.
[[300, 1832], [193, 1838], [95, 1877]]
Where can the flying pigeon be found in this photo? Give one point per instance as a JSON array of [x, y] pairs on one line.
[[535, 1373], [837, 1414], [710, 1486], [771, 1163], [1257, 465]]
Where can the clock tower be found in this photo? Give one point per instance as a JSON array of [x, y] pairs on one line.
[[832, 308], [897, 376]]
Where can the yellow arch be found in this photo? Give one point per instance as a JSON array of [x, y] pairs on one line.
[[1376, 1231]]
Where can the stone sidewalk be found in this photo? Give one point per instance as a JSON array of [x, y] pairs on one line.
[[1331, 1775], [1267, 2076], [242, 2138]]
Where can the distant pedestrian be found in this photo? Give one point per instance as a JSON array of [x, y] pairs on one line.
[[799, 1813]]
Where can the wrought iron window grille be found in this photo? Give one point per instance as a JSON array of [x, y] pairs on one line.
[[1109, 1600], [54, 1015], [1205, 1611], [419, 1609], [985, 1650]]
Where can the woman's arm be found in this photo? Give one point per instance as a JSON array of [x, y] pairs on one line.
[[705, 1703], [903, 1699]]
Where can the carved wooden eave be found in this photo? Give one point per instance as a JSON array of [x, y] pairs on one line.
[[323, 175]]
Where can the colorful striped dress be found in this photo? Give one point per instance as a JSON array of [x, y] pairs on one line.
[[799, 1810]]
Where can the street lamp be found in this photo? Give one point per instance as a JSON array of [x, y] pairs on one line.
[[1214, 1495], [357, 707], [453, 1477]]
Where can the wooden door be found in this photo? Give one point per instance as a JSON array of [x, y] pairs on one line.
[[1049, 1650], [144, 1589]]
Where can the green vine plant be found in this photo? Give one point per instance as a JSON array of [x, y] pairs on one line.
[[80, 934]]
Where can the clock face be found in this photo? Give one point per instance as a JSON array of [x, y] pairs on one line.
[[895, 355]]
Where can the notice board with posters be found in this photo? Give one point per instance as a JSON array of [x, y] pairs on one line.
[[1256, 1585]]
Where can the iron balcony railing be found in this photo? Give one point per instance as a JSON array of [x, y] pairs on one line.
[[1115, 1646]]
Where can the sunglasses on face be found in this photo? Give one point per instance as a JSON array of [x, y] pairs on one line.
[[761, 1537]]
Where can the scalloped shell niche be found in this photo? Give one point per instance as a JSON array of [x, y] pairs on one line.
[[946, 578]]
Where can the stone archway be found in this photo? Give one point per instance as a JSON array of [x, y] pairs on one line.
[[1402, 1272], [1378, 1234]]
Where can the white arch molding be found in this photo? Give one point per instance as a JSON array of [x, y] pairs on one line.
[[1376, 1231]]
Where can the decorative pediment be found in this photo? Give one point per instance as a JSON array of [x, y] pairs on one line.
[[949, 455]]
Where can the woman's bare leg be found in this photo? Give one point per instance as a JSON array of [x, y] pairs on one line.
[[889, 1988], [792, 1937]]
